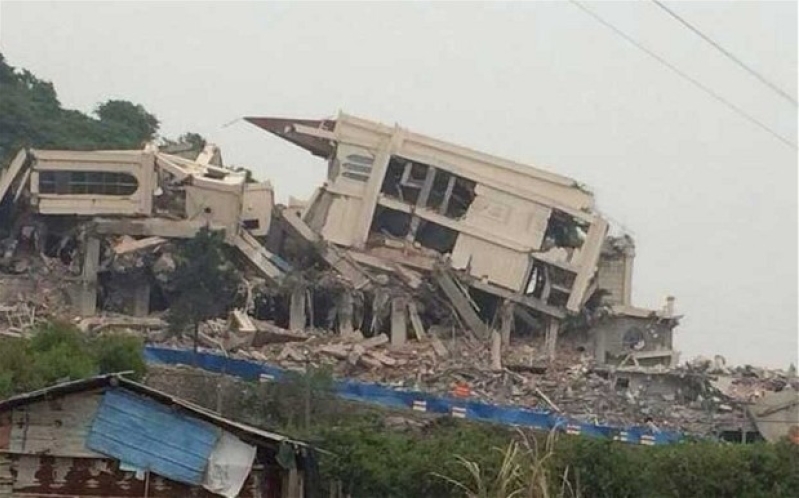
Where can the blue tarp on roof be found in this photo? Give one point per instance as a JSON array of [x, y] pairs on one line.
[[151, 436]]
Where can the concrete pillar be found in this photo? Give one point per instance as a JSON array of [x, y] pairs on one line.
[[345, 312], [629, 257], [141, 298], [668, 310], [506, 317], [600, 345], [297, 316], [553, 326], [496, 350], [399, 322], [91, 261]]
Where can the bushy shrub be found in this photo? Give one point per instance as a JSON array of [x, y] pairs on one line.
[[119, 353], [373, 461], [58, 351]]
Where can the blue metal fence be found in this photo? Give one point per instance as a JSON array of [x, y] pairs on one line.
[[419, 401]]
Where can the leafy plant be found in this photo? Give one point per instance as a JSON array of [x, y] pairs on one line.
[[58, 351], [204, 283], [119, 353], [524, 471]]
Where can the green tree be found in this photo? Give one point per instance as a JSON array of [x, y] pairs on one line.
[[204, 283], [196, 140], [31, 116], [59, 351], [131, 118], [119, 353]]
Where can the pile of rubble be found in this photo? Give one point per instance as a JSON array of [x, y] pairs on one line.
[[417, 264], [447, 364]]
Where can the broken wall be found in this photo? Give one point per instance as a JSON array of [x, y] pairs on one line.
[[92, 183], [616, 337], [615, 270]]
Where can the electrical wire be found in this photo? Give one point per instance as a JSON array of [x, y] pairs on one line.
[[726, 52], [685, 76]]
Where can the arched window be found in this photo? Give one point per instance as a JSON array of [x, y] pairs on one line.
[[634, 339], [87, 182]]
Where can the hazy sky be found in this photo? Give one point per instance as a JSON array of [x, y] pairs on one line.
[[710, 198]]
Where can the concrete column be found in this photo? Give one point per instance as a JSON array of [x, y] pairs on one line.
[[506, 317], [372, 189], [399, 322], [345, 312], [141, 298], [297, 316], [88, 293], [553, 326], [629, 257], [496, 350]]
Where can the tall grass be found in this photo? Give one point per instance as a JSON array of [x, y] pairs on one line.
[[524, 472]]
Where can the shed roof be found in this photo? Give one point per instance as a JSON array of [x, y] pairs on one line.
[[244, 431]]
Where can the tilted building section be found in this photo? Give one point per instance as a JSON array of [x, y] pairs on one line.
[[509, 247], [518, 234]]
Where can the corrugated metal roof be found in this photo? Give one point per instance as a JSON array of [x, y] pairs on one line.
[[247, 432], [149, 435]]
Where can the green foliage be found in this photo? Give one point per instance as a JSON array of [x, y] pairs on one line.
[[119, 353], [16, 374], [196, 140], [204, 283], [524, 471], [130, 117], [31, 116], [374, 452], [689, 470], [59, 351], [373, 460]]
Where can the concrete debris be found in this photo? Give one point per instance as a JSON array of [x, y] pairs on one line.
[[97, 324], [418, 264]]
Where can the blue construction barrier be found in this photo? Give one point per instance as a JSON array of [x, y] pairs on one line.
[[416, 400]]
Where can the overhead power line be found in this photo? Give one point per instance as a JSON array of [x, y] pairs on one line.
[[685, 76], [727, 53]]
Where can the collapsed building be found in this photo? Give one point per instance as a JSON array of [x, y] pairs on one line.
[[512, 247], [416, 240]]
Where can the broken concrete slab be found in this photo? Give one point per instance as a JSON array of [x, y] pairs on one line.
[[439, 347], [375, 341], [97, 323], [129, 244], [268, 333]]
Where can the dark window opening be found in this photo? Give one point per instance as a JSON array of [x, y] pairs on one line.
[[358, 177], [87, 182], [564, 230], [441, 190], [436, 237], [462, 197], [550, 283], [390, 222], [633, 339], [537, 280], [391, 181], [355, 167], [404, 179], [487, 306], [622, 383], [414, 175], [360, 158], [253, 224], [558, 299]]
